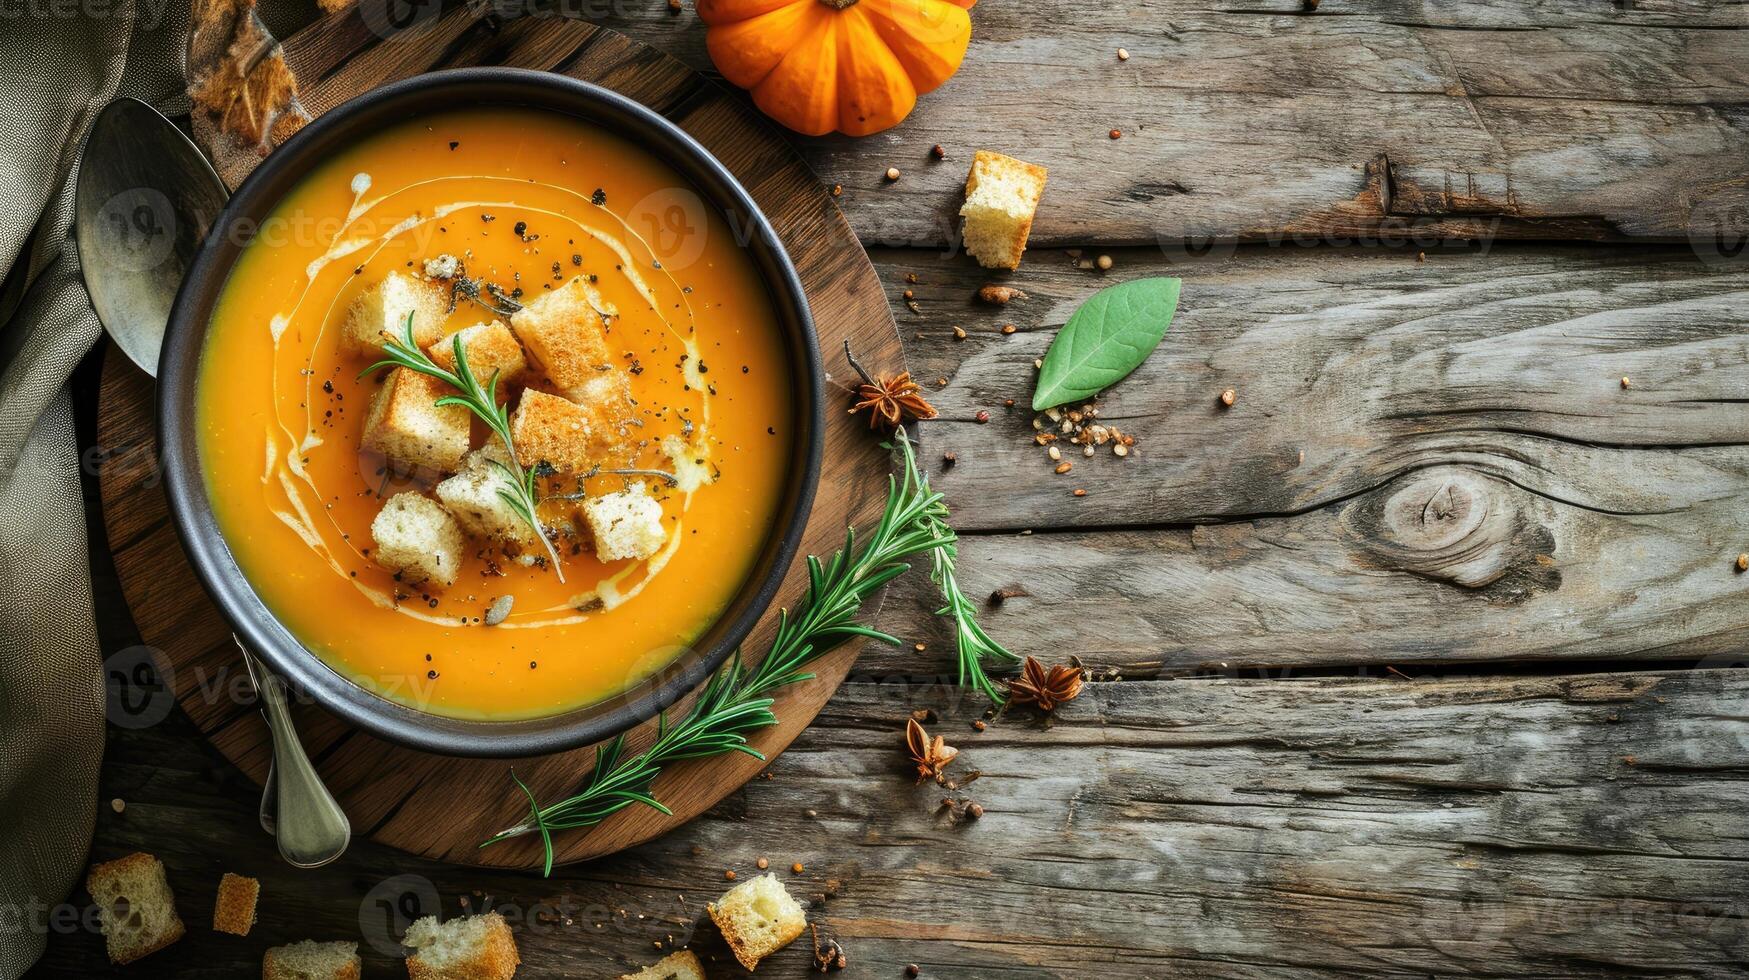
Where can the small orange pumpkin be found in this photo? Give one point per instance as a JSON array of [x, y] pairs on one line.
[[854, 66]]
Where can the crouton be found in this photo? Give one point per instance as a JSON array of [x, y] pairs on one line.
[[1001, 196], [757, 918], [234, 909], [311, 960], [472, 947], [564, 336], [380, 313], [472, 497], [135, 906], [560, 433], [683, 965], [490, 347], [625, 524], [407, 425], [418, 540]]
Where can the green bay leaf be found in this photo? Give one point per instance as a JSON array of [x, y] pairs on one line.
[[1107, 338]]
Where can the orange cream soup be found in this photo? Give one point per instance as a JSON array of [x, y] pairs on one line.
[[281, 409]]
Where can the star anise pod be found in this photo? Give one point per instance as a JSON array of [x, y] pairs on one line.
[[891, 402], [932, 755], [1045, 688]]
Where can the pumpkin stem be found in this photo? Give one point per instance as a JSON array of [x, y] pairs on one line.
[[839, 4]]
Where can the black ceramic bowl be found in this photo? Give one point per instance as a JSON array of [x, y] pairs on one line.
[[180, 368]]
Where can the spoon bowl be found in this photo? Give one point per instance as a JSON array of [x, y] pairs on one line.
[[145, 200]]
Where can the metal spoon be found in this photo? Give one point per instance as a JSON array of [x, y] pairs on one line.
[[145, 201], [308, 824]]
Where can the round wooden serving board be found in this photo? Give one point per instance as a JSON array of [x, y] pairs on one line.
[[442, 807]]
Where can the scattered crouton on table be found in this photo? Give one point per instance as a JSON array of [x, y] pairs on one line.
[[234, 909], [311, 960], [683, 965], [1002, 195], [470, 947], [757, 918], [136, 909]]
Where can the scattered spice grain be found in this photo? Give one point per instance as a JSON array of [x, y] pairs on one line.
[[1626, 381], [797, 867], [1064, 467], [1742, 566], [729, 875], [982, 417], [1123, 54], [938, 151], [998, 294], [1103, 262], [1228, 397], [949, 458], [762, 864], [1008, 328], [1080, 492], [959, 332], [892, 173], [1117, 134]]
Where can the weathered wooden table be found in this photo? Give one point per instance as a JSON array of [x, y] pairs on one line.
[[1419, 659]]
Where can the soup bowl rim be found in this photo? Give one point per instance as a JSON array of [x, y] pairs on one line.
[[187, 491]]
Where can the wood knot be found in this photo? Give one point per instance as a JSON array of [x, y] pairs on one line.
[[1446, 523]]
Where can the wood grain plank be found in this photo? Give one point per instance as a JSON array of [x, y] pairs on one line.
[[1256, 120], [1581, 826], [1427, 461]]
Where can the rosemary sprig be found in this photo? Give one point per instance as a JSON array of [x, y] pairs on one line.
[[482, 400], [973, 645], [737, 700]]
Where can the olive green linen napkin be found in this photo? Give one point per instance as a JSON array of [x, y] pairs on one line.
[[59, 64]]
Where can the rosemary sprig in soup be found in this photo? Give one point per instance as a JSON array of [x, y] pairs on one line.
[[521, 496]]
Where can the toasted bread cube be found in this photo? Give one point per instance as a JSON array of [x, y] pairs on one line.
[[625, 524], [234, 909], [683, 965], [489, 346], [564, 335], [757, 918], [472, 947], [472, 497], [555, 431], [311, 960], [1001, 197], [418, 540], [407, 425], [135, 906], [380, 313]]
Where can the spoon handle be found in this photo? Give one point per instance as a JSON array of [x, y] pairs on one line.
[[309, 825]]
